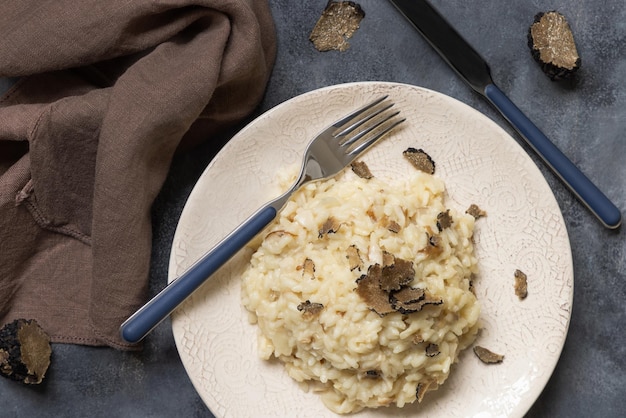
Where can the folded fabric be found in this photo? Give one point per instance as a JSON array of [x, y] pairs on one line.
[[108, 91]]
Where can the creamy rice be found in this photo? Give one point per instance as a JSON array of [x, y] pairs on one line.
[[354, 357]]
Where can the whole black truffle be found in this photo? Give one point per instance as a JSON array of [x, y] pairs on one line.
[[24, 351], [552, 45]]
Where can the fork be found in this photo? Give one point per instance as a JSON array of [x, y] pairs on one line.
[[326, 155]]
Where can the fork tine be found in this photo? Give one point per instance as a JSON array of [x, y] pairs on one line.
[[357, 147], [375, 124], [367, 116], [352, 116]]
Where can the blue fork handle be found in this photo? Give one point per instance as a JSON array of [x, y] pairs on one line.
[[158, 308], [573, 178]]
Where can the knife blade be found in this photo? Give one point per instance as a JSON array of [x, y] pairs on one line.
[[472, 68]]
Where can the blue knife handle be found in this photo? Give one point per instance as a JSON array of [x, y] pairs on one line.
[[573, 178], [158, 308]]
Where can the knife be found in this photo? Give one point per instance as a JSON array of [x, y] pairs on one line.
[[468, 64]]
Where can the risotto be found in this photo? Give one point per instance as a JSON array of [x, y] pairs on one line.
[[363, 289]]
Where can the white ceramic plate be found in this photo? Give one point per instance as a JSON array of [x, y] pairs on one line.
[[480, 164]]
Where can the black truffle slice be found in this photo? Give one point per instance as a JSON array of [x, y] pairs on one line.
[[475, 211], [409, 300], [552, 45], [407, 296], [329, 227], [393, 226], [361, 169], [354, 257], [24, 351], [487, 356], [310, 309], [433, 247], [388, 258], [422, 388], [373, 374], [339, 21], [385, 289], [521, 284], [420, 160], [444, 220], [308, 269], [432, 350], [368, 288], [396, 275]]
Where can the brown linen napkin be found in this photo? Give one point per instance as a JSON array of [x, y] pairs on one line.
[[109, 91]]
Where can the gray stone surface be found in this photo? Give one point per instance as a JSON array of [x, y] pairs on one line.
[[586, 120]]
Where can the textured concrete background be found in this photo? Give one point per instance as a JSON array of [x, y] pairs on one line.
[[586, 120]]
